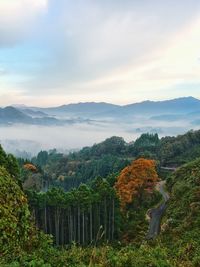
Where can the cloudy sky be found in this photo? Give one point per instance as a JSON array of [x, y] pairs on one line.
[[121, 51]]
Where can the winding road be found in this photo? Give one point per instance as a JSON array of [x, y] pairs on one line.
[[156, 214]]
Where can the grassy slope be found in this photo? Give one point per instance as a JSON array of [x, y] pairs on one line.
[[181, 227]]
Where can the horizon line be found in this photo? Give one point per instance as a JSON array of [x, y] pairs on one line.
[[98, 102]]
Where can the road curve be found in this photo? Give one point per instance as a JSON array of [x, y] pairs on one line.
[[156, 214]]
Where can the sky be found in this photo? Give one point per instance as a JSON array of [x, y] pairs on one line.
[[55, 52]]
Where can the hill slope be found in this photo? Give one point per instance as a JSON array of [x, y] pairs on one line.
[[182, 219], [87, 109], [13, 115], [183, 105], [10, 115]]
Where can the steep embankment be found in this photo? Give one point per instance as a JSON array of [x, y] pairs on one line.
[[181, 223], [14, 215]]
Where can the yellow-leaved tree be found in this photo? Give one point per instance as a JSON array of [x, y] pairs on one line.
[[135, 180]]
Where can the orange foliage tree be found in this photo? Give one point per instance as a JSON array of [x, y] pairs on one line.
[[135, 180], [30, 167]]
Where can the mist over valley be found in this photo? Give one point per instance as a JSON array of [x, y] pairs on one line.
[[74, 126]]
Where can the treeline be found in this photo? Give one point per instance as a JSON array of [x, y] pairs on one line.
[[69, 171], [111, 156], [85, 215], [175, 151], [10, 163], [93, 213]]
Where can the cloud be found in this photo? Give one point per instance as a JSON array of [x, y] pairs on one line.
[[3, 71], [95, 40], [17, 18], [104, 50]]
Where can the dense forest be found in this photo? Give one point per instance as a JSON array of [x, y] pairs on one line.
[[78, 215], [90, 208], [54, 169]]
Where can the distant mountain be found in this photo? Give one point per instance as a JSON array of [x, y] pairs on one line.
[[19, 106], [88, 109], [9, 115], [33, 113], [185, 108], [182, 105]]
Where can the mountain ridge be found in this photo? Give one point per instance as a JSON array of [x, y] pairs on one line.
[[190, 98], [183, 108]]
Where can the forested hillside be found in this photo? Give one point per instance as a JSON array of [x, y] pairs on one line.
[[183, 214], [10, 164], [103, 159], [96, 204], [180, 228], [109, 157]]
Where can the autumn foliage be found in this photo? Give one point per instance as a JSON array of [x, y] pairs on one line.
[[135, 180], [30, 167]]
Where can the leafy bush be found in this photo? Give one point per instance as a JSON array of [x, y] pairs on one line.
[[14, 215]]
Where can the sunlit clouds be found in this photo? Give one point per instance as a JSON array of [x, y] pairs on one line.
[[55, 52]]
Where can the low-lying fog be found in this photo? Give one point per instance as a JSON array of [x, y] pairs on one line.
[[32, 138]]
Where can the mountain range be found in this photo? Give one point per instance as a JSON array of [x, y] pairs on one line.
[[185, 108], [12, 115]]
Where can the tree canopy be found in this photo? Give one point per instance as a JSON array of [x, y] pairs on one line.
[[136, 179], [14, 215]]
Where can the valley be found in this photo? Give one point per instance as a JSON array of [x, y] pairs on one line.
[[94, 203], [61, 127], [99, 133]]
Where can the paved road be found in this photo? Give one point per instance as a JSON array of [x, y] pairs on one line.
[[156, 214], [173, 169]]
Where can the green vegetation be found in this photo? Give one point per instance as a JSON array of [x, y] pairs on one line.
[[182, 220], [18, 235], [69, 171], [78, 216], [10, 163], [176, 151], [87, 224], [106, 158], [14, 215]]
